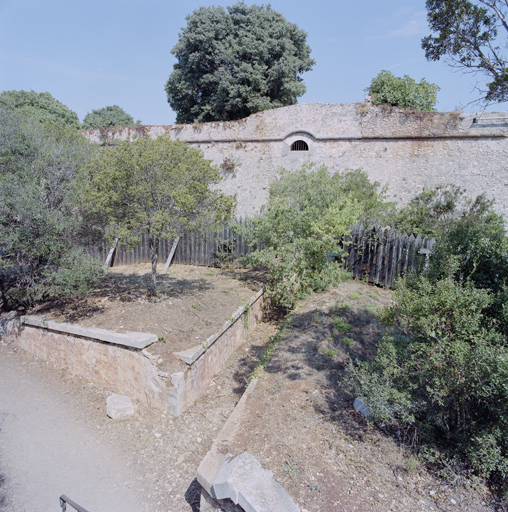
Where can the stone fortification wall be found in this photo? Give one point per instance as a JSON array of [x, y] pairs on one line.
[[407, 151]]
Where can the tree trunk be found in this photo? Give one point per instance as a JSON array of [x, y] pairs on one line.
[[153, 244]]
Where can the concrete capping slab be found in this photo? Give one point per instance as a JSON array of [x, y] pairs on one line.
[[241, 479], [136, 340], [191, 355], [213, 460]]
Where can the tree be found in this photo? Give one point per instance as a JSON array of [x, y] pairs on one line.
[[470, 34], [39, 105], [387, 89], [41, 252], [157, 186], [108, 116], [232, 64], [308, 212]]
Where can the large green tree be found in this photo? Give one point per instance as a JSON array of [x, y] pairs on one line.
[[157, 186], [472, 35], [232, 64], [39, 105], [388, 89], [108, 116], [41, 229]]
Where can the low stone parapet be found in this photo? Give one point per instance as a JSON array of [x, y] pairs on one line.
[[121, 361]]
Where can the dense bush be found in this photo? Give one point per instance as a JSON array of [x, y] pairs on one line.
[[107, 117], [387, 89], [40, 226], [39, 105], [443, 368], [443, 372], [307, 213]]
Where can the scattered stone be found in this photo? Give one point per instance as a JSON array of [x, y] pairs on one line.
[[119, 406], [360, 406]]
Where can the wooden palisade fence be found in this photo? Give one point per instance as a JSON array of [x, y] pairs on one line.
[[381, 255], [377, 255], [210, 250]]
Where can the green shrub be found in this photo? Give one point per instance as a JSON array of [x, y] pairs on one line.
[[340, 325], [330, 352], [444, 372], [349, 342], [307, 213], [387, 89]]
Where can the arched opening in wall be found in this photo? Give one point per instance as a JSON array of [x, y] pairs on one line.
[[299, 145]]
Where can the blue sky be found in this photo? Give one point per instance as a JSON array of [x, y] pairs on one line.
[[93, 53]]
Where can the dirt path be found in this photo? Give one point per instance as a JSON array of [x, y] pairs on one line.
[[55, 438], [47, 449]]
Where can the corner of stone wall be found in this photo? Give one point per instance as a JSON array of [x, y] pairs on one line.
[[175, 397], [10, 326]]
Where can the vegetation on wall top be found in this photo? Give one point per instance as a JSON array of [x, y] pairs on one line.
[[107, 117], [404, 92]]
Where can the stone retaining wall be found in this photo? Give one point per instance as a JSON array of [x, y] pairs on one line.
[[122, 363]]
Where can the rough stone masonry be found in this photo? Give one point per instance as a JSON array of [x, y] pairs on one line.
[[407, 151]]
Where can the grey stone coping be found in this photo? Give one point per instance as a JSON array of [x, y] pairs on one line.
[[241, 479], [191, 355], [137, 340]]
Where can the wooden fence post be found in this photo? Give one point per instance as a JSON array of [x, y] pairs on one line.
[[171, 253]]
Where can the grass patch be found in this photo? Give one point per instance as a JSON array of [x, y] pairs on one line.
[[354, 295], [340, 325], [290, 467], [330, 352], [263, 362], [349, 342]]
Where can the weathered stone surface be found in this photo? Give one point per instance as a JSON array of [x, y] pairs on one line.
[[119, 406], [241, 479], [175, 398], [9, 325], [122, 369], [209, 504], [244, 481], [139, 340], [404, 150], [190, 355], [133, 370]]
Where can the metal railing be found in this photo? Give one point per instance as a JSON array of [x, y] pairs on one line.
[[64, 501]]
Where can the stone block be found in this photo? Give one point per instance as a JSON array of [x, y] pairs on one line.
[[360, 406], [119, 406]]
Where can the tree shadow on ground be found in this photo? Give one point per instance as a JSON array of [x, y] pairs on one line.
[[246, 365], [123, 288], [317, 346], [255, 277]]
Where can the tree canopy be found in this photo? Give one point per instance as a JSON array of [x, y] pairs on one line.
[[41, 230], [39, 105], [472, 36], [387, 89], [108, 116], [157, 186], [232, 64]]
